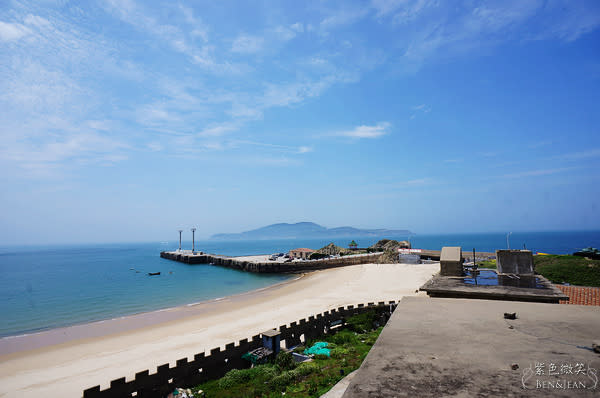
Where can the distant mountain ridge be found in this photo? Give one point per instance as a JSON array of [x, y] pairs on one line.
[[307, 230]]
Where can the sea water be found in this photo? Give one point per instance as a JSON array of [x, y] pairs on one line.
[[43, 287]]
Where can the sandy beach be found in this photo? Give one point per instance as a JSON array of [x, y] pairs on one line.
[[64, 362]]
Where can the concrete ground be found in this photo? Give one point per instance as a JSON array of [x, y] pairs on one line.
[[341, 386], [437, 347]]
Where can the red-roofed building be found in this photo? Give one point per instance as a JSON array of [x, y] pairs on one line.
[[302, 253]]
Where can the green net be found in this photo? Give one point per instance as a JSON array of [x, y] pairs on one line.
[[318, 348]]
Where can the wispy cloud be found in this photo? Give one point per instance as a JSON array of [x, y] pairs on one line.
[[416, 182], [537, 173], [276, 147], [51, 121], [376, 131], [12, 31], [540, 144], [247, 44], [342, 16], [174, 36], [437, 29], [218, 130], [590, 153], [422, 109], [305, 149]]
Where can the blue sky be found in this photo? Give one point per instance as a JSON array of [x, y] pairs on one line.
[[123, 120]]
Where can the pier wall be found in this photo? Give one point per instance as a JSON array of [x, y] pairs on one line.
[[213, 365], [271, 267]]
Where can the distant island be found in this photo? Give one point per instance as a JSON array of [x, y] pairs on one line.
[[307, 230]]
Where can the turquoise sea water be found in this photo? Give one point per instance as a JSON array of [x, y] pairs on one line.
[[43, 287]]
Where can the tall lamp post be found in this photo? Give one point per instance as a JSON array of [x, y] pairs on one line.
[[193, 241], [180, 231]]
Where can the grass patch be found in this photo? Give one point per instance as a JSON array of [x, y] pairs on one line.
[[309, 379], [574, 270], [487, 264], [568, 269]]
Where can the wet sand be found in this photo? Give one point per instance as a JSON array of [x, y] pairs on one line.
[[68, 360]]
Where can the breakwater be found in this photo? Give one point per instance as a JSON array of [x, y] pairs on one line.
[[271, 266], [216, 363]]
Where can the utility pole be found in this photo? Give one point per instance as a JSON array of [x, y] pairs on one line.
[[193, 241], [180, 231]]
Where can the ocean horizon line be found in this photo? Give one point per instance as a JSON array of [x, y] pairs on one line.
[[207, 239]]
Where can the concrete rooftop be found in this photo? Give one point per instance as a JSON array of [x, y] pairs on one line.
[[433, 347]]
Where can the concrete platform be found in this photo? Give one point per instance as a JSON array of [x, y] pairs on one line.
[[436, 347], [454, 287]]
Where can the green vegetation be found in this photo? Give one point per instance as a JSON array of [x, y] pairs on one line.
[[562, 269], [568, 269], [308, 379], [487, 264]]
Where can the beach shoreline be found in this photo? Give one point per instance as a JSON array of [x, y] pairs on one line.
[[107, 350], [121, 324]]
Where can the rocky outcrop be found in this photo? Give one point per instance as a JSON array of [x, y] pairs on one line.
[[390, 244], [332, 250]]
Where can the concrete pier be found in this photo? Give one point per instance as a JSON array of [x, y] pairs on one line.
[[271, 266]]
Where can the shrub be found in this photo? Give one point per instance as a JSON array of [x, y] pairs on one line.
[[281, 381], [235, 376], [361, 322], [265, 372], [307, 368], [285, 361], [339, 352], [344, 337], [321, 356]]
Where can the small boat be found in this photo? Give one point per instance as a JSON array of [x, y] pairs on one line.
[[153, 273]]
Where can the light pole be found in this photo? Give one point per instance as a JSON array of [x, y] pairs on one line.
[[193, 241], [507, 241], [180, 231]]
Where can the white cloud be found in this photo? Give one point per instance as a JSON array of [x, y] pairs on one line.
[[247, 44], [273, 147], [297, 27], [342, 16], [218, 130], [305, 149], [12, 31], [154, 146], [376, 131]]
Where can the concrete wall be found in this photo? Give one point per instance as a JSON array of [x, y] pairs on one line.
[[514, 262], [272, 267], [451, 261], [189, 373]]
